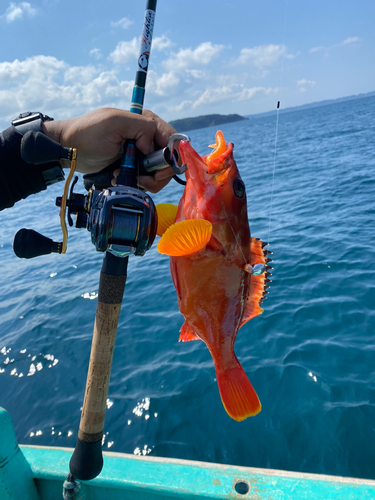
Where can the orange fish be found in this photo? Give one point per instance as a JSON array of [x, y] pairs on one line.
[[214, 264]]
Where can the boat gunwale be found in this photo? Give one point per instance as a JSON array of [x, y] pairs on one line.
[[224, 467]]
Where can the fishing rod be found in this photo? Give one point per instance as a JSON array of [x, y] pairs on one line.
[[135, 221]]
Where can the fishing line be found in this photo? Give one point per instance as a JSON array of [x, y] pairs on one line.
[[277, 123], [273, 170], [235, 236]]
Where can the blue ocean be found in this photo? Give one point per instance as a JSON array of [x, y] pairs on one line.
[[310, 356]]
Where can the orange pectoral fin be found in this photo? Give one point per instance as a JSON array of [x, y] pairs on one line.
[[187, 334], [166, 216], [258, 284], [185, 237]]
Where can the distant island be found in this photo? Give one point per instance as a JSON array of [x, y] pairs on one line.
[[313, 105], [204, 121]]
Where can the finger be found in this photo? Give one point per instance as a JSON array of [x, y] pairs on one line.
[[116, 174], [163, 130], [160, 175], [148, 130], [152, 185], [165, 173], [123, 125]]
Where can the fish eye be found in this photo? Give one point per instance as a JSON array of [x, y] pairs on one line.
[[238, 188]]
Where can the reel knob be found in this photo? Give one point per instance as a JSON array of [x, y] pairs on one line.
[[28, 244]]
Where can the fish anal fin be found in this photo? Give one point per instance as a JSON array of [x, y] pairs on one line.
[[237, 394], [187, 334], [258, 283], [166, 216], [185, 237]]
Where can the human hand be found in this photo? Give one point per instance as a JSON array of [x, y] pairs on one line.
[[99, 137], [153, 183]]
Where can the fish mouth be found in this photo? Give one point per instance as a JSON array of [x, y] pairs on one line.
[[197, 165]]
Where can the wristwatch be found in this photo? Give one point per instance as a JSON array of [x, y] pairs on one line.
[[31, 120]]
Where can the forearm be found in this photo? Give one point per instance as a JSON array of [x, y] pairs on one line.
[[53, 128]]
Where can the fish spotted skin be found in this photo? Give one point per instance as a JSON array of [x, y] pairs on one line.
[[216, 295]]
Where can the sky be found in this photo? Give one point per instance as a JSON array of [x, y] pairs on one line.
[[65, 58]]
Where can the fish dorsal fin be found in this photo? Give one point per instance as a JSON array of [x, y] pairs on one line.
[[258, 284], [185, 237], [187, 333], [166, 216]]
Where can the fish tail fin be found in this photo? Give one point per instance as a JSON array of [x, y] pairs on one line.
[[237, 394]]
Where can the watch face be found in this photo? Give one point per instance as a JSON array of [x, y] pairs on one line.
[[26, 118], [28, 113]]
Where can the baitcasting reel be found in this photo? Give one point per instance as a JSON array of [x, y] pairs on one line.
[[121, 219]]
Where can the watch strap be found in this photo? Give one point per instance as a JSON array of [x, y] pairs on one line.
[[32, 121]]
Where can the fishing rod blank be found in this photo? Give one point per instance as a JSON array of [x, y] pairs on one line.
[[128, 165]]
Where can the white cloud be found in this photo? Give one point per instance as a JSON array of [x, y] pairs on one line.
[[125, 51], [351, 39], [263, 55], [81, 74], [247, 94], [211, 95], [123, 23], [59, 89], [17, 11], [184, 85], [196, 73], [233, 92], [303, 84], [317, 49], [180, 107], [348, 41], [186, 58], [95, 53], [161, 43], [162, 85], [38, 67]]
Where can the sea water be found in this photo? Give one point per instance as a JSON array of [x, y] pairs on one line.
[[310, 355]]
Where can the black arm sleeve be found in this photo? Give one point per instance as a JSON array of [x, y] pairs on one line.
[[18, 179]]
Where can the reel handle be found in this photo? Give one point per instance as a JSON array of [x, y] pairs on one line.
[[28, 244]]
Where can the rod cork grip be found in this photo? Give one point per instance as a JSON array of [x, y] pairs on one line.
[[87, 461], [111, 289]]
